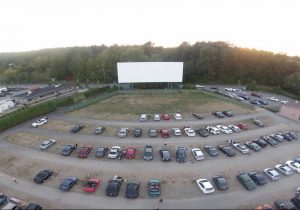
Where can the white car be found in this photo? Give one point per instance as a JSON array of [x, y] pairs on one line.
[[234, 128], [224, 129], [284, 102], [114, 152], [46, 144], [284, 169], [293, 165], [189, 132], [272, 174], [176, 131], [228, 89], [39, 122], [273, 98], [198, 154], [143, 117], [205, 186], [241, 148], [177, 116], [123, 132], [213, 130], [156, 117]]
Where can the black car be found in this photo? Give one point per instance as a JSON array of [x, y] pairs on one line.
[[77, 128], [220, 182], [284, 205], [132, 189], [113, 188], [262, 143], [180, 154], [202, 132], [165, 155], [293, 135], [68, 183], [148, 152], [198, 115], [252, 145], [227, 113], [255, 102], [33, 206], [227, 150], [218, 114], [286, 136], [296, 201], [246, 181], [212, 151], [101, 151], [42, 176], [244, 97], [258, 178], [137, 132], [269, 140], [263, 102], [3, 200], [68, 149], [99, 130]]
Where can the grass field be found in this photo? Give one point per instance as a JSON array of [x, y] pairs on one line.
[[128, 107]]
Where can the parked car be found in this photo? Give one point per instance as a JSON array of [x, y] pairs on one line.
[[113, 188], [227, 150], [234, 128], [293, 165], [130, 153], [180, 154], [284, 205], [202, 132], [92, 185], [39, 122], [245, 97], [148, 152], [296, 201], [99, 130], [218, 114], [46, 144], [258, 122], [252, 145], [101, 152], [255, 102], [114, 152], [258, 178], [156, 117], [272, 98], [177, 116], [293, 135], [68, 183], [241, 148], [256, 95], [269, 140], [189, 132], [132, 189], [137, 132], [84, 151], [143, 117], [165, 155], [220, 182], [286, 136], [164, 133], [213, 130], [227, 113], [272, 174], [165, 116], [224, 129], [154, 187], [152, 132], [246, 181], [278, 138], [42, 176], [262, 143], [198, 154], [205, 186], [198, 115], [176, 131], [68, 149], [212, 151], [242, 126], [77, 128], [263, 102], [284, 169], [123, 132], [3, 200], [33, 206]]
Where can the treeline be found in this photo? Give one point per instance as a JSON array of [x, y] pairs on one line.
[[204, 62]]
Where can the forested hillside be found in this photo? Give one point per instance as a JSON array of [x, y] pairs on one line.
[[204, 62]]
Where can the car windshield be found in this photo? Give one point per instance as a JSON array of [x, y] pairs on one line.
[[113, 152]]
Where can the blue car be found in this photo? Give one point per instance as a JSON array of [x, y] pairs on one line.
[[297, 159], [263, 102], [68, 183], [255, 102]]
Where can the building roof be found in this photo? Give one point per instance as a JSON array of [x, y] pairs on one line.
[[295, 105], [38, 92]]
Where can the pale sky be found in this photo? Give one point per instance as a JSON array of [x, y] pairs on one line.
[[271, 25]]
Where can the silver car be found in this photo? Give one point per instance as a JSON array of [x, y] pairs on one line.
[[46, 144], [284, 169], [272, 174]]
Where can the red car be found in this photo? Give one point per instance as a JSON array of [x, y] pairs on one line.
[[242, 126], [164, 133], [256, 94], [91, 185], [130, 152], [165, 116], [84, 151]]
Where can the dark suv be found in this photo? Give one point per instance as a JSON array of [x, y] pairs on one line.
[[258, 178], [218, 114], [137, 132], [148, 152], [246, 181], [42, 176], [113, 188], [165, 155], [180, 154], [227, 150], [68, 149], [77, 128]]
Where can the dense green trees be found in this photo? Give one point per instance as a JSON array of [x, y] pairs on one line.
[[204, 62]]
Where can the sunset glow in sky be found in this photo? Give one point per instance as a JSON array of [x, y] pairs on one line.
[[271, 25]]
